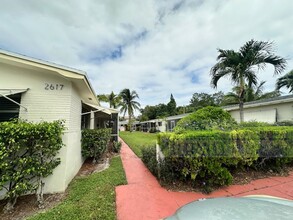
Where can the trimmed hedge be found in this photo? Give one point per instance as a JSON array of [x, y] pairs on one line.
[[209, 156], [27, 155], [94, 142], [276, 146]]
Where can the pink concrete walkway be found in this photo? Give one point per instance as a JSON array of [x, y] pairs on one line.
[[144, 199]]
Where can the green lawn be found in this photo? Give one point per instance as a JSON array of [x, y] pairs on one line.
[[137, 140], [91, 197]]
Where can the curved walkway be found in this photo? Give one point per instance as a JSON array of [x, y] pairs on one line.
[[144, 199]]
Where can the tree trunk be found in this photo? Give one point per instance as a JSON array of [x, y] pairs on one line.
[[40, 195], [10, 205], [241, 111], [241, 99], [129, 121]]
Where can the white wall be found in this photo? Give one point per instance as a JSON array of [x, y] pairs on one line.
[[74, 159], [162, 128], [49, 105], [282, 111]]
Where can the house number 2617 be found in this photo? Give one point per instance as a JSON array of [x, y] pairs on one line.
[[53, 86]]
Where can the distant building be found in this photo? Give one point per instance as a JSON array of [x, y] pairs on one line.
[[267, 110]]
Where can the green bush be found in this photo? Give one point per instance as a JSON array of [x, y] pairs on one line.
[[276, 147], [209, 156], [116, 146], [284, 123], [208, 118], [206, 155], [27, 155], [149, 159], [251, 124], [94, 142]]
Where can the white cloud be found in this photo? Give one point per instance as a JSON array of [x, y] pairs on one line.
[[166, 46]]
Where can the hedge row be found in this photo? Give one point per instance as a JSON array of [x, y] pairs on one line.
[[95, 142], [209, 156], [27, 155]]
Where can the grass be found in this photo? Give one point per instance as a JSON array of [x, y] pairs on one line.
[[137, 140], [91, 197]]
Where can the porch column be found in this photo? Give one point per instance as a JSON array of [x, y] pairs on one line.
[[92, 120]]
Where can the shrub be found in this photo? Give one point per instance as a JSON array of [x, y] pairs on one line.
[[207, 118], [284, 123], [276, 147], [27, 155], [149, 159], [208, 156], [94, 142], [252, 124], [116, 146]]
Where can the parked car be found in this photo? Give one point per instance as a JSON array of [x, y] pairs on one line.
[[251, 207]]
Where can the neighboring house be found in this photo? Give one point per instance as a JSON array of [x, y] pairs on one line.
[[172, 121], [153, 125], [267, 110], [36, 90], [161, 125], [123, 125]]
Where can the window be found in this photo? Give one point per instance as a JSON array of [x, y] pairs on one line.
[[172, 125], [160, 123], [9, 109]]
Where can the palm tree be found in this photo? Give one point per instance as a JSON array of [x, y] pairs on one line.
[[253, 93], [286, 81], [128, 103], [113, 99], [241, 66]]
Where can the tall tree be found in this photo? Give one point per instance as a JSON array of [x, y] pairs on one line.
[[241, 66], [172, 106], [285, 81], [113, 99], [200, 100], [128, 104]]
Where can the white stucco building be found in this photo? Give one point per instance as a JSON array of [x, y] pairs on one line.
[[267, 110], [37, 90]]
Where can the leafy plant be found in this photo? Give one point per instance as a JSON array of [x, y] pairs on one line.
[[284, 123], [209, 156], [149, 159], [94, 142], [117, 146], [207, 118], [251, 124], [240, 66], [27, 155]]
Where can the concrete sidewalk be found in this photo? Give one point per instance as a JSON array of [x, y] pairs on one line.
[[144, 198]]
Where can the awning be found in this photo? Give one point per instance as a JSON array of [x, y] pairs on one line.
[[5, 93], [97, 109]]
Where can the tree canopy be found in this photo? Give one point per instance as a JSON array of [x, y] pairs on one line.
[[285, 81], [242, 66]]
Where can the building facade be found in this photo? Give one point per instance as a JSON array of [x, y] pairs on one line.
[[36, 90], [268, 110]]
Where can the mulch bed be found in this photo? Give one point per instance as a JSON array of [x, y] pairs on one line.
[[240, 177], [27, 206]]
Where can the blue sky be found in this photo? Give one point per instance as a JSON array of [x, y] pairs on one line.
[[154, 47]]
